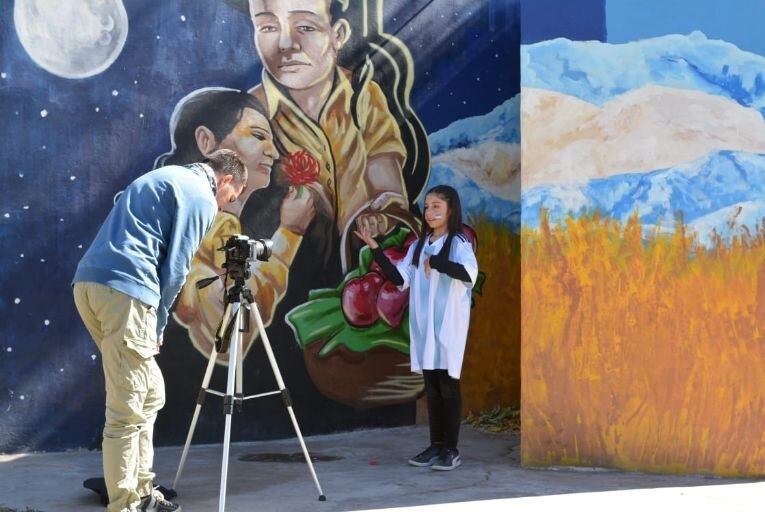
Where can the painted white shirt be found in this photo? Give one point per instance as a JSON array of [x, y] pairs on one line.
[[439, 308]]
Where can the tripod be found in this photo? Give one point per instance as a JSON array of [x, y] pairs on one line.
[[236, 319]]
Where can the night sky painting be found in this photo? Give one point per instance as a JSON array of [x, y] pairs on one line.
[[580, 20], [70, 144]]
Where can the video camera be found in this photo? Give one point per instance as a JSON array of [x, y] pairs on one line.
[[240, 251]]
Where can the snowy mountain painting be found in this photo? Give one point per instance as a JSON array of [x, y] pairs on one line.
[[595, 72], [681, 130], [708, 192], [480, 157]]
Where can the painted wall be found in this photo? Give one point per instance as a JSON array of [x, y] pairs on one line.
[[643, 241], [92, 94]]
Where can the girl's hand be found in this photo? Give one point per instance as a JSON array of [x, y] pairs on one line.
[[362, 231], [427, 266]]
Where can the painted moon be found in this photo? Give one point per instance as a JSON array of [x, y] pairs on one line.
[[74, 38]]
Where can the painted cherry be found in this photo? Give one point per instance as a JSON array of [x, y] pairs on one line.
[[359, 299], [391, 304], [410, 239], [394, 254]]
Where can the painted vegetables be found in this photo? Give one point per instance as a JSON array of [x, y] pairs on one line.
[[369, 298], [365, 311]]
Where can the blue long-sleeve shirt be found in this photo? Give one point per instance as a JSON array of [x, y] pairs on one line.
[[145, 246]]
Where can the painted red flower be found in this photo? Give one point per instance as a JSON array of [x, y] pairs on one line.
[[301, 168]]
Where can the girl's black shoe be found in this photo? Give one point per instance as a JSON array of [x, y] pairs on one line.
[[449, 459], [426, 458]]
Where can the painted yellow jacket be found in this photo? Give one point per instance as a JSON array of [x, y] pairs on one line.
[[200, 311], [342, 148]]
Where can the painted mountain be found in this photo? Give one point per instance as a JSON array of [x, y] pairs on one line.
[[567, 140], [712, 185], [480, 156], [665, 126], [597, 72]]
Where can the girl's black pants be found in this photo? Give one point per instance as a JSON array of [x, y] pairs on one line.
[[444, 407]]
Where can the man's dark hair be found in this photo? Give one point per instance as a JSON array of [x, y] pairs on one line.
[[217, 109], [226, 162]]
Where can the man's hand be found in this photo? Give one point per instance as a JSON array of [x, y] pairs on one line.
[[365, 234], [372, 218], [376, 224], [297, 213]]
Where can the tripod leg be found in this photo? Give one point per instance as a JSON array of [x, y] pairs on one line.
[[286, 397], [239, 396], [228, 402], [200, 400]]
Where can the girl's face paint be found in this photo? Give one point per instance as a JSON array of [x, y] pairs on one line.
[[436, 212]]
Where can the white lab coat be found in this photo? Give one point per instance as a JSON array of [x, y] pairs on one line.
[[439, 307]]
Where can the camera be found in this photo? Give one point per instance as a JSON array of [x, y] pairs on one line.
[[240, 251]]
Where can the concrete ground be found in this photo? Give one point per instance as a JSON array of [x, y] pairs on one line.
[[367, 470]]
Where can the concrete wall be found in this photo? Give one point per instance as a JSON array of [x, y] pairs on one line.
[[87, 96], [643, 247]]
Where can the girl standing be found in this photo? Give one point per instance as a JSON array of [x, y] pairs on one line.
[[441, 269]]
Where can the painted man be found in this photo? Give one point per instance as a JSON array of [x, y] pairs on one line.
[[345, 129]]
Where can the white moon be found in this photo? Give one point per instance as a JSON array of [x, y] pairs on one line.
[[71, 38]]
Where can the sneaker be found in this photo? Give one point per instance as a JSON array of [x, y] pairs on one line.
[[427, 457], [156, 502], [449, 459]]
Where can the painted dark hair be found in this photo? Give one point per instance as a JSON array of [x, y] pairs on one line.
[[217, 108], [371, 54], [453, 223]]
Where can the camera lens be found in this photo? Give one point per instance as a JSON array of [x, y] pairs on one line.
[[265, 249]]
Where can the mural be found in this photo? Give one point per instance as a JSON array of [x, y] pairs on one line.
[[643, 214], [345, 112], [340, 142]]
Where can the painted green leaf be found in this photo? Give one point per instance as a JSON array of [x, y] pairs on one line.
[[324, 293], [316, 320], [362, 340]]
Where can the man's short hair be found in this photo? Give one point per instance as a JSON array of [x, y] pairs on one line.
[[227, 163]]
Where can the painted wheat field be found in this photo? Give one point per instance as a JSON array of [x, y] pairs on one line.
[[492, 366], [642, 352]]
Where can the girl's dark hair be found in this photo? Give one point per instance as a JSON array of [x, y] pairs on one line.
[[371, 54], [217, 108], [453, 223]]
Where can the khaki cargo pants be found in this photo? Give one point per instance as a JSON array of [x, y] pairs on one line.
[[124, 330]]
